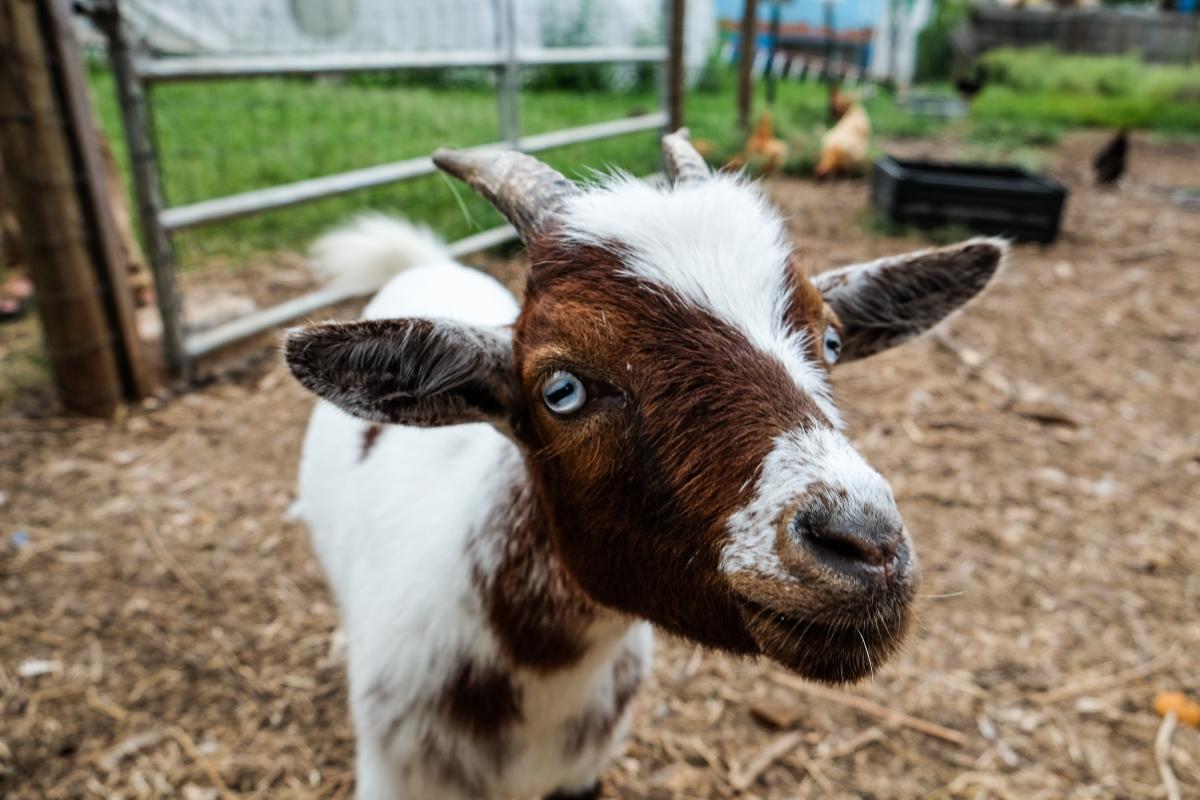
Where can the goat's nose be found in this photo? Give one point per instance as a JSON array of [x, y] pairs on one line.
[[862, 545]]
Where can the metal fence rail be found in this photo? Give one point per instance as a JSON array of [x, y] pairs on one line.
[[137, 72], [178, 68]]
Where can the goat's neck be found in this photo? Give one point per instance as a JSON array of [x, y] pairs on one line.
[[543, 620]]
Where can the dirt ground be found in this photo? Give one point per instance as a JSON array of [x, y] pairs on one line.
[[165, 630]]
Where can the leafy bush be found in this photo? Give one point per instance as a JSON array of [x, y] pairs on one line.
[[1043, 69], [1041, 87], [935, 57], [715, 76]]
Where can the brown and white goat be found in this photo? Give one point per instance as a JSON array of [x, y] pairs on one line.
[[506, 497]]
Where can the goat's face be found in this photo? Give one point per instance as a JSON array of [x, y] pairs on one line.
[[668, 378]]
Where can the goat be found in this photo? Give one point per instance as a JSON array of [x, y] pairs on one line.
[[506, 497]]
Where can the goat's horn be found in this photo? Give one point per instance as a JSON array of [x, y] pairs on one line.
[[682, 163], [523, 189]]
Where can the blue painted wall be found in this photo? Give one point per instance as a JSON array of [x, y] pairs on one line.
[[848, 14]]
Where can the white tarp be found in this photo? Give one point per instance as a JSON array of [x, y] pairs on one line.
[[278, 27], [894, 46]]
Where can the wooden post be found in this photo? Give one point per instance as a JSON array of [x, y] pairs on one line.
[[747, 44], [52, 175], [773, 53], [101, 195], [675, 76]]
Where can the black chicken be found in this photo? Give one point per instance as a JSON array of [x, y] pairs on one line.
[[1110, 162], [971, 83]]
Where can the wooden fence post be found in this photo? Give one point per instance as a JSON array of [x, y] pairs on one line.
[[746, 47], [675, 76], [51, 157]]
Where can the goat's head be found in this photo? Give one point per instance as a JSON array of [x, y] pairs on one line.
[[668, 380]]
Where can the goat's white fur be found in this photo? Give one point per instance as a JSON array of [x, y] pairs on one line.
[[370, 250], [718, 244], [392, 532], [799, 459]]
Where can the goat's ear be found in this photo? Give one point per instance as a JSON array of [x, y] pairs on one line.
[[887, 302], [425, 372]]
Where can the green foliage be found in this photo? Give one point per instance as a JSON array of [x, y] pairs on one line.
[[1106, 91], [1008, 131], [1034, 94], [1043, 69], [890, 119], [716, 76], [935, 58], [1072, 110]]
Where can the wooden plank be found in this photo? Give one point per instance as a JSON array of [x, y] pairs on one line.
[[111, 255], [39, 163]]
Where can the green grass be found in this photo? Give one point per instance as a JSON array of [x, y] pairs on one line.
[[220, 138], [1046, 90]]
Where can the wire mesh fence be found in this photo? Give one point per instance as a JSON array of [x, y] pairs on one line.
[[266, 122]]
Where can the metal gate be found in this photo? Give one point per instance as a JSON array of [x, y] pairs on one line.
[[137, 72]]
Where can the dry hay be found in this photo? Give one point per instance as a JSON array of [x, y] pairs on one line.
[[166, 633]]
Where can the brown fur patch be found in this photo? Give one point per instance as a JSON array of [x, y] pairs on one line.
[[481, 700], [533, 606], [638, 488], [370, 436]]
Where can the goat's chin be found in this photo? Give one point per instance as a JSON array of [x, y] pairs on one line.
[[834, 651]]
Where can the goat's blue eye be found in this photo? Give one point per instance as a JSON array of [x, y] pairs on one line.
[[564, 393], [833, 345]]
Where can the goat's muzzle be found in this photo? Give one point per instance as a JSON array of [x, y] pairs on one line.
[[843, 606]]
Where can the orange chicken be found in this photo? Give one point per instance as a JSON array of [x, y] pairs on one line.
[[844, 147]]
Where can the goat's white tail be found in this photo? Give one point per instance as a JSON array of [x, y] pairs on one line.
[[365, 253]]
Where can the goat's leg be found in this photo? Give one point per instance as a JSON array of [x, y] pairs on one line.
[[375, 777]]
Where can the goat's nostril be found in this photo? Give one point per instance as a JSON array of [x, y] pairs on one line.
[[852, 547], [851, 551]]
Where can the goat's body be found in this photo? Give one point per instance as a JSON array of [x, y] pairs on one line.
[[661, 444], [404, 523]]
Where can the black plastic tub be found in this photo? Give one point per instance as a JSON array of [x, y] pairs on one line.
[[1004, 201]]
